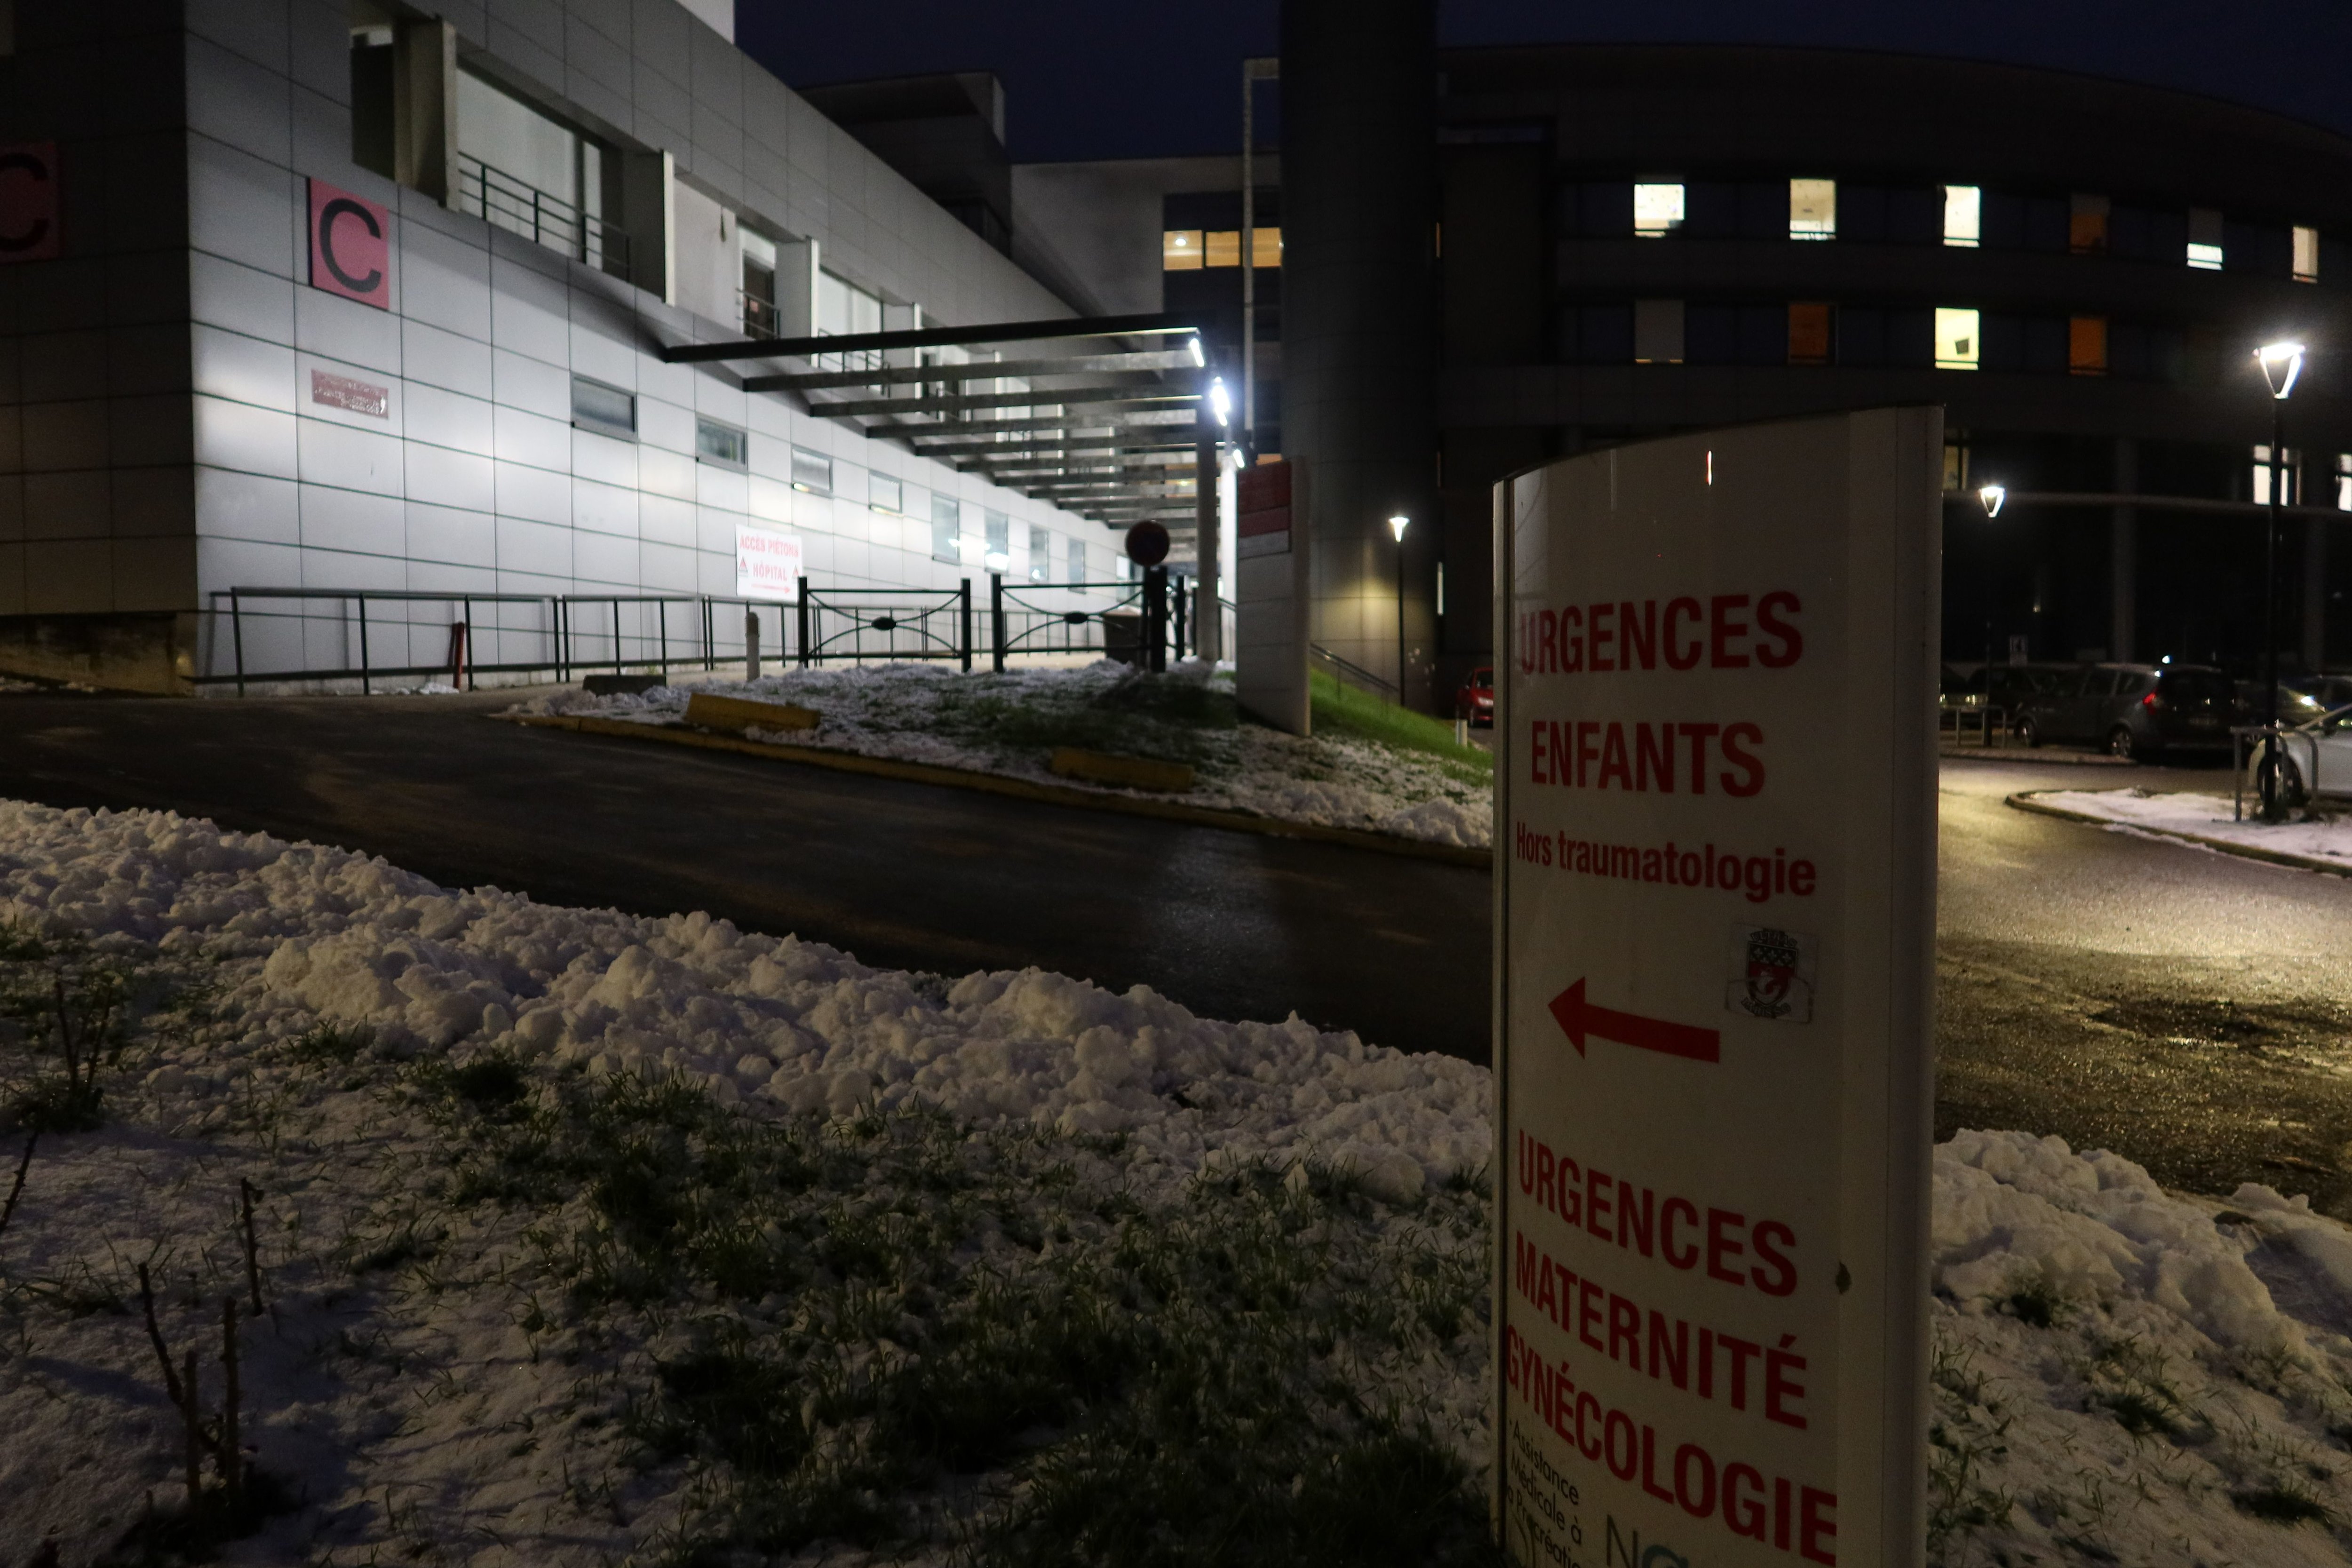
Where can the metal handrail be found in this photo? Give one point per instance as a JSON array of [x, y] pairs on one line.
[[1355, 674], [1044, 620], [518, 207]]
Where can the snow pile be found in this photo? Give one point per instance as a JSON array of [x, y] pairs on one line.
[[2121, 1373], [2324, 839], [1007, 723], [2126, 1374]]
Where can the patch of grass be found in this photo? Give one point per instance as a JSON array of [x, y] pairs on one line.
[[1342, 711], [1171, 718], [860, 1319], [2133, 1382], [2037, 1303]]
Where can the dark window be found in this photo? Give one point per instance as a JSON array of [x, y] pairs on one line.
[[2047, 221], [2258, 248], [1861, 214], [1710, 334], [2003, 221], [1764, 209], [1861, 335], [2131, 231], [1605, 335], [608, 409], [1714, 211], [1911, 337], [2004, 343], [2129, 350], [372, 100], [1608, 209], [1914, 214], [1763, 335], [2045, 345]]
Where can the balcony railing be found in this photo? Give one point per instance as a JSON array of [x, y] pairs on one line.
[[548, 220]]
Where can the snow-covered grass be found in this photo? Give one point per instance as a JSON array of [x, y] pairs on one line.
[[588, 1237], [2324, 837], [1410, 781]]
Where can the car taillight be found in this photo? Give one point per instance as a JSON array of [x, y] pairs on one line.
[[2150, 701]]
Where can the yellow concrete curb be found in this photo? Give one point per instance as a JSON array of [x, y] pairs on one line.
[[2023, 801], [997, 783]]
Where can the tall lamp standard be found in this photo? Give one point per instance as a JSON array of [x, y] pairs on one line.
[[2282, 363], [1397, 525]]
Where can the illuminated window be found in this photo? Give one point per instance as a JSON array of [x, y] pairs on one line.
[[1809, 333], [1180, 250], [1959, 343], [885, 494], [2287, 472], [1265, 246], [2205, 240], [1956, 466], [2344, 481], [947, 528], [2086, 225], [1813, 209], [812, 471], [1041, 554], [1657, 210], [2087, 345], [1963, 215], [1657, 331], [1223, 248], [2306, 256]]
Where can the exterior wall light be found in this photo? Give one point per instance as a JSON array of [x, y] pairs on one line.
[[1993, 497], [1398, 524], [1200, 359]]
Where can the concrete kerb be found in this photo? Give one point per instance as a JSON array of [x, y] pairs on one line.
[[1020, 789], [2024, 801]]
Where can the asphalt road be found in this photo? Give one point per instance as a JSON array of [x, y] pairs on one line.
[[2190, 1010], [1233, 925]]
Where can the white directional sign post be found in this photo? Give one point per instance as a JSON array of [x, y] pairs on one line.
[[1714, 764]]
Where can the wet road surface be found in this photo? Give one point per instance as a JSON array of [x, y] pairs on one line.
[[1233, 925], [2190, 1010]]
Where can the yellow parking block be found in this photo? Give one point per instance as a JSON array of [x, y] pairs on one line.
[[1129, 773], [738, 714]]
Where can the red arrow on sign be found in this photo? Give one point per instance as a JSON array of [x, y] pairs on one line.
[[1579, 1018]]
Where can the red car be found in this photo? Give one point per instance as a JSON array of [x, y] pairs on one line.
[[1475, 700]]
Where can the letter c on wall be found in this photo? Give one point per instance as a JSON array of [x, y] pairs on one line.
[[351, 250], [28, 202]]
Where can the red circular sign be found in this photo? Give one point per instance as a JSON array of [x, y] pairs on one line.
[[1147, 545]]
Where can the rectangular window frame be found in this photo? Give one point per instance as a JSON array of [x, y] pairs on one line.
[[595, 410], [947, 530], [1265, 246], [1959, 337], [1659, 208], [1964, 216], [1813, 331], [721, 445], [2089, 218], [2206, 251], [1040, 553], [1180, 250], [1660, 332], [811, 472], [997, 532], [1813, 209], [2305, 265], [2087, 345], [884, 493]]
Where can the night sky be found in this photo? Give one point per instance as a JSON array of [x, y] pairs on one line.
[[1087, 79]]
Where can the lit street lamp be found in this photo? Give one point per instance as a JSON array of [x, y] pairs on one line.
[[2281, 363], [1397, 525], [1992, 497]]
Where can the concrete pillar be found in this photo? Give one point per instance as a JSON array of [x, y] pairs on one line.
[[1359, 230], [2123, 557]]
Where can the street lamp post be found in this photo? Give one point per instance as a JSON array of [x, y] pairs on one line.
[[1397, 525], [2281, 363]]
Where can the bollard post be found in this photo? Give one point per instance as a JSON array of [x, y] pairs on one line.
[[996, 618], [750, 645]]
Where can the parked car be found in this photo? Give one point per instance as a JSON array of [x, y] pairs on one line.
[[2133, 710], [2318, 759], [1475, 700], [2295, 706], [2330, 691]]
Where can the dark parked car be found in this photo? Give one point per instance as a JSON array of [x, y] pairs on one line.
[[2135, 709], [1475, 700]]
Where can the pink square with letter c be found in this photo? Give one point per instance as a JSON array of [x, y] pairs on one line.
[[351, 246]]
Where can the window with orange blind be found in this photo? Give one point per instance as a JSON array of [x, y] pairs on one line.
[[1180, 250], [1809, 332], [1265, 246], [2087, 345], [2086, 225], [1222, 247]]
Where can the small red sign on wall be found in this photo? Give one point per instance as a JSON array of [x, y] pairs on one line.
[[29, 201], [351, 246]]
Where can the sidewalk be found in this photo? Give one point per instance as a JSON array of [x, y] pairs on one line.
[[2321, 843]]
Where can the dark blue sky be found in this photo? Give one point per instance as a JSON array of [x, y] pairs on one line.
[[1106, 79]]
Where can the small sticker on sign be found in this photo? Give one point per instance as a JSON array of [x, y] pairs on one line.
[[353, 396], [1772, 973]]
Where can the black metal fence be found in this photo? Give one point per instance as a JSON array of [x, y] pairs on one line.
[[550, 220], [277, 636]]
